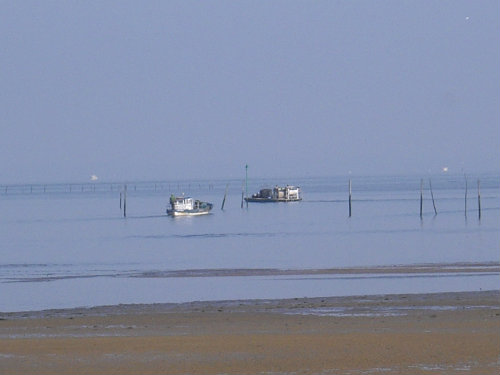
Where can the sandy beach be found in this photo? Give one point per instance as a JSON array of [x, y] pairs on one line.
[[446, 333]]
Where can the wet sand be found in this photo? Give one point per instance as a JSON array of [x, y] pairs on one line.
[[446, 333]]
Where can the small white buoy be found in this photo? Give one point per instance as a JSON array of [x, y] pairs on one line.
[[445, 169]]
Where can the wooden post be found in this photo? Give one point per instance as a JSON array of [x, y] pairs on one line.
[[120, 200], [479, 199], [432, 196], [421, 196], [465, 201], [350, 198], [125, 201], [224, 200], [242, 195], [246, 180]]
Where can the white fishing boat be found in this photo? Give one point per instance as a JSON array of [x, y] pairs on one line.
[[277, 194], [187, 206]]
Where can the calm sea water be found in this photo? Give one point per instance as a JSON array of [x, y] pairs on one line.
[[69, 245]]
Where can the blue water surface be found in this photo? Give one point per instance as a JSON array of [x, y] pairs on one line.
[[67, 246]]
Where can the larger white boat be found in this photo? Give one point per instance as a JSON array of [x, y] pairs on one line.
[[277, 194], [187, 206]]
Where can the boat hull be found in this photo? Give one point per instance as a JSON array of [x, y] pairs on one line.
[[187, 212], [267, 200], [203, 209]]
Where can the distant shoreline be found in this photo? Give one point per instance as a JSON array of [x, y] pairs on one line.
[[492, 267]]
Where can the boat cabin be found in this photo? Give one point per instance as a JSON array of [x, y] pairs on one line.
[[277, 194], [286, 193], [181, 203]]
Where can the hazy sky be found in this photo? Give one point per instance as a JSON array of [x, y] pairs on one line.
[[179, 89]]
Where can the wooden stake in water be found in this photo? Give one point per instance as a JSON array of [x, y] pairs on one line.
[[465, 201], [479, 199], [224, 200], [125, 201], [432, 196], [246, 180], [421, 196], [242, 195], [120, 200], [350, 198]]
